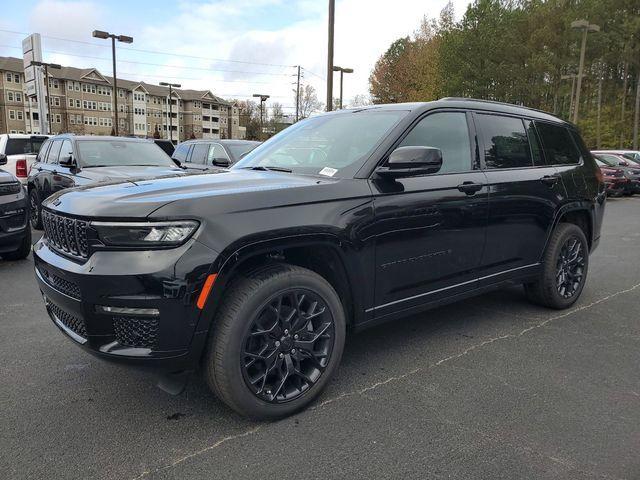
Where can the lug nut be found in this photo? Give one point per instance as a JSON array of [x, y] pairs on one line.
[[281, 355], [277, 343], [293, 350], [286, 332], [295, 337]]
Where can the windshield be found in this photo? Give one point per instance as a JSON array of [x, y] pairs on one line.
[[108, 153], [17, 146], [332, 145]]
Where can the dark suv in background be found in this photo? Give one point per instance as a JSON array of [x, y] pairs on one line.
[[67, 161], [205, 153], [343, 220], [15, 233]]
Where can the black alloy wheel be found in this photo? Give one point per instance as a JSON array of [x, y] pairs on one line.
[[35, 211], [288, 346], [570, 267]]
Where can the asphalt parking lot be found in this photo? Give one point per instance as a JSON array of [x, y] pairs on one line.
[[488, 388]]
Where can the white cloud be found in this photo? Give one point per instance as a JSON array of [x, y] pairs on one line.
[[222, 30]]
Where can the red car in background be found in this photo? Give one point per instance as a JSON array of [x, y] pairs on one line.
[[617, 184]]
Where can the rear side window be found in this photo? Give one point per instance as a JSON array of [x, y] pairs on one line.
[[505, 142], [534, 143], [559, 147], [42, 154], [447, 131], [199, 154], [52, 156], [181, 152], [17, 146]]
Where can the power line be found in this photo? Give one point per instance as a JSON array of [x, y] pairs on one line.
[[156, 52]]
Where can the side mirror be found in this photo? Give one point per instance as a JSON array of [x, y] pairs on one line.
[[3, 159], [221, 162], [67, 161], [412, 161]]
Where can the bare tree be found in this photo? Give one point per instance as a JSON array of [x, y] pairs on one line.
[[309, 102], [360, 100]]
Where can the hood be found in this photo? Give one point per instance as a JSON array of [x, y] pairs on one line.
[[139, 198], [115, 173]]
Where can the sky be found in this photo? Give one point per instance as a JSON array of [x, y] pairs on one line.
[[234, 48]]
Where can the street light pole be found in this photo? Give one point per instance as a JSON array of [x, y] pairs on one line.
[[342, 72], [332, 18], [46, 66], [586, 27], [124, 39], [170, 85], [263, 98]]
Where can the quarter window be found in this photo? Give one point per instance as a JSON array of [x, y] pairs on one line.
[[447, 131], [505, 142], [558, 145]]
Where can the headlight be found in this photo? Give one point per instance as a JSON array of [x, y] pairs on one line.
[[145, 234]]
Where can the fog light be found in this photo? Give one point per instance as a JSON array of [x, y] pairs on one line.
[[127, 310]]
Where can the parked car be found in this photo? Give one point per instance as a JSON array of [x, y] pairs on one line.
[[21, 151], [205, 154], [343, 220], [616, 183], [166, 145], [67, 161], [630, 169], [15, 234], [632, 155]]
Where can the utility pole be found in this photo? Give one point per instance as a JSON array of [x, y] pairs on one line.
[[332, 19], [586, 27], [598, 136], [170, 85], [123, 39], [298, 96], [342, 72], [46, 66], [636, 115], [263, 98]]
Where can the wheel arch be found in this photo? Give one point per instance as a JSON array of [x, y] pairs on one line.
[[578, 213]]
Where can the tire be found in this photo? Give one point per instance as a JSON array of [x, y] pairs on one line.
[[240, 325], [22, 251], [546, 290], [35, 210]]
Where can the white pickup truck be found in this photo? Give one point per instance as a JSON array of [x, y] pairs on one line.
[[21, 151]]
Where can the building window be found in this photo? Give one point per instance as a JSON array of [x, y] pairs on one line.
[[18, 97], [72, 119], [12, 114], [69, 85], [78, 104], [71, 102], [77, 86], [20, 115], [56, 101], [16, 78], [9, 77], [58, 118], [9, 96]]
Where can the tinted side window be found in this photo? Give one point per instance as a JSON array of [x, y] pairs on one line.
[[505, 142], [199, 154], [181, 152], [217, 152], [534, 143], [42, 154], [65, 150], [558, 145], [54, 151], [447, 131]]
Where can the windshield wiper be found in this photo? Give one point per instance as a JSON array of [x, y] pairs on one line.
[[275, 169]]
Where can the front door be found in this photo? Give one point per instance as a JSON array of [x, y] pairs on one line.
[[430, 229]]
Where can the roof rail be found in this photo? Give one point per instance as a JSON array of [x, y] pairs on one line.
[[494, 102]]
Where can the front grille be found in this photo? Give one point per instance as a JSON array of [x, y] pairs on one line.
[[60, 284], [68, 235], [73, 323], [136, 332]]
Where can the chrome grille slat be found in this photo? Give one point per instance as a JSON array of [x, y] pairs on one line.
[[66, 234]]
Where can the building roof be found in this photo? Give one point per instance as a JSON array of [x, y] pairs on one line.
[[92, 75]]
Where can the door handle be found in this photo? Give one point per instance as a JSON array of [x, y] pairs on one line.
[[470, 188], [550, 180]]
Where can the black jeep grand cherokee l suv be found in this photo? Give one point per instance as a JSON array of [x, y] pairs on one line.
[[342, 220]]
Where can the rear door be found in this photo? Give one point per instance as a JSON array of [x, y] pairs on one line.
[[48, 169], [524, 194], [430, 229], [198, 156]]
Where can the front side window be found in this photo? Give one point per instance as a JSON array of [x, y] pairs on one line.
[[106, 153], [505, 142], [216, 152], [447, 131], [335, 145], [559, 148]]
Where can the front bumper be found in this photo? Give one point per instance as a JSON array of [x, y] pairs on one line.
[[155, 292]]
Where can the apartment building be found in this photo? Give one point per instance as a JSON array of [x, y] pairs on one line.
[[81, 102]]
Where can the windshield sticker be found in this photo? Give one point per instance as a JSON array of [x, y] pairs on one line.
[[328, 171]]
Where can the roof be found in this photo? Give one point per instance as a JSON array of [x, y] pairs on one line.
[[93, 75], [101, 137]]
